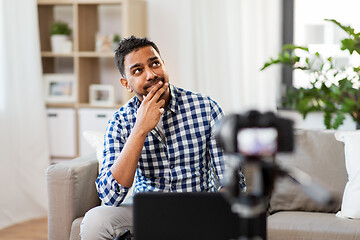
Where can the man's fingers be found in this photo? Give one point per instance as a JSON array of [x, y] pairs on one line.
[[154, 90], [159, 92], [160, 103]]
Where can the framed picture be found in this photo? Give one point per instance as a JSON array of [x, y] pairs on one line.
[[60, 88], [102, 95]]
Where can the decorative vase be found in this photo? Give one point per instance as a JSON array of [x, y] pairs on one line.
[[57, 43]]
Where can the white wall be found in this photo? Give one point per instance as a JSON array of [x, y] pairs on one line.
[[164, 30], [218, 47]]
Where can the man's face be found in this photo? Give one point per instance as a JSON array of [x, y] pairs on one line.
[[143, 69]]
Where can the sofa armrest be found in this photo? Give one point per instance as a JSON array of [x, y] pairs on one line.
[[71, 193]]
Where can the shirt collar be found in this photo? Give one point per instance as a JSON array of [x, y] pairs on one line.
[[173, 104]]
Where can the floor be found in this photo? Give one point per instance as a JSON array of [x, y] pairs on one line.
[[31, 230]]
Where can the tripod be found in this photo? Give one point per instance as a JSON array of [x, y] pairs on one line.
[[251, 206], [253, 139]]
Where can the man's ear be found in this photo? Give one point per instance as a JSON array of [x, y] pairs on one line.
[[125, 83]]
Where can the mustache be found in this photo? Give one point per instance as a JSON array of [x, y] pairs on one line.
[[153, 81]]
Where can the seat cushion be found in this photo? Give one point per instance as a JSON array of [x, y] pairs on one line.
[[75, 229], [292, 225]]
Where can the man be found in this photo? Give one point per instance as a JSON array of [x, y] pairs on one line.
[[163, 137]]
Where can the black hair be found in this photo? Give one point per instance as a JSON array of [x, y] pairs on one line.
[[126, 46]]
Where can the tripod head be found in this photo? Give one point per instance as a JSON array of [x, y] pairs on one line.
[[255, 135], [253, 138]]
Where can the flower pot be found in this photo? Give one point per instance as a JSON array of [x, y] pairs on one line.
[[57, 43]]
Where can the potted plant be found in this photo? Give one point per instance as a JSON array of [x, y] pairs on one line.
[[333, 90], [60, 32], [115, 42]]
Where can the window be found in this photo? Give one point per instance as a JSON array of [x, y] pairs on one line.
[[304, 24]]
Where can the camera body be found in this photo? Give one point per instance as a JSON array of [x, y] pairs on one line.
[[255, 134]]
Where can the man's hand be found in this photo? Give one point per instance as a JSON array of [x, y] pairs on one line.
[[151, 108]]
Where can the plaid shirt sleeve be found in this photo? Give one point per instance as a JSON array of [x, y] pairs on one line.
[[109, 191], [216, 153]]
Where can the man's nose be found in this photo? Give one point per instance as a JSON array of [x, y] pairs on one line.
[[150, 74]]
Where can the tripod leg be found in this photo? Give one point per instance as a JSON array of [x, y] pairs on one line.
[[124, 236], [253, 228]]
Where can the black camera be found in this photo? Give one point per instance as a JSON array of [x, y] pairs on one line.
[[255, 134]]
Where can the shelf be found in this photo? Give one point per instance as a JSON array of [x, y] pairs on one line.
[[55, 2], [52, 54], [60, 105], [97, 2], [86, 105], [66, 2], [90, 54], [81, 105], [96, 54]]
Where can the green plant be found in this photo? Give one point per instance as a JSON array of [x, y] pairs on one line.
[[116, 38], [59, 27], [332, 90]]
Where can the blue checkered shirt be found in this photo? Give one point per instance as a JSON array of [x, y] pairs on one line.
[[186, 160]]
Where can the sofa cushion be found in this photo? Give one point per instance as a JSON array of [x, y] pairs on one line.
[[310, 225], [96, 141], [350, 206], [320, 155], [75, 229]]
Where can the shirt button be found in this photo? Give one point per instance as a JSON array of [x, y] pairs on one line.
[[173, 187], [171, 166]]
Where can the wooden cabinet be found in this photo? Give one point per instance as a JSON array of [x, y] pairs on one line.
[[62, 131], [87, 18], [91, 119]]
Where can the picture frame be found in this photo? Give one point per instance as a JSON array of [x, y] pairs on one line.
[[102, 95], [60, 88]]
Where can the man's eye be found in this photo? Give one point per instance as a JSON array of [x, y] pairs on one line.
[[156, 64], [136, 71]]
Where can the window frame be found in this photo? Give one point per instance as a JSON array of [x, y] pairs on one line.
[[287, 38]]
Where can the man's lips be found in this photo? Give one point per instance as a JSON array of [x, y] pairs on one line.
[[151, 87], [152, 84]]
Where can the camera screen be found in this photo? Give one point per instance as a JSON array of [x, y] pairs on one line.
[[257, 141]]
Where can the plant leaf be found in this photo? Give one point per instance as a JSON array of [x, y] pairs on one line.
[[338, 120], [347, 29]]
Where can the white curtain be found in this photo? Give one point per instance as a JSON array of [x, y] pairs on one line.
[[24, 154], [221, 46]]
